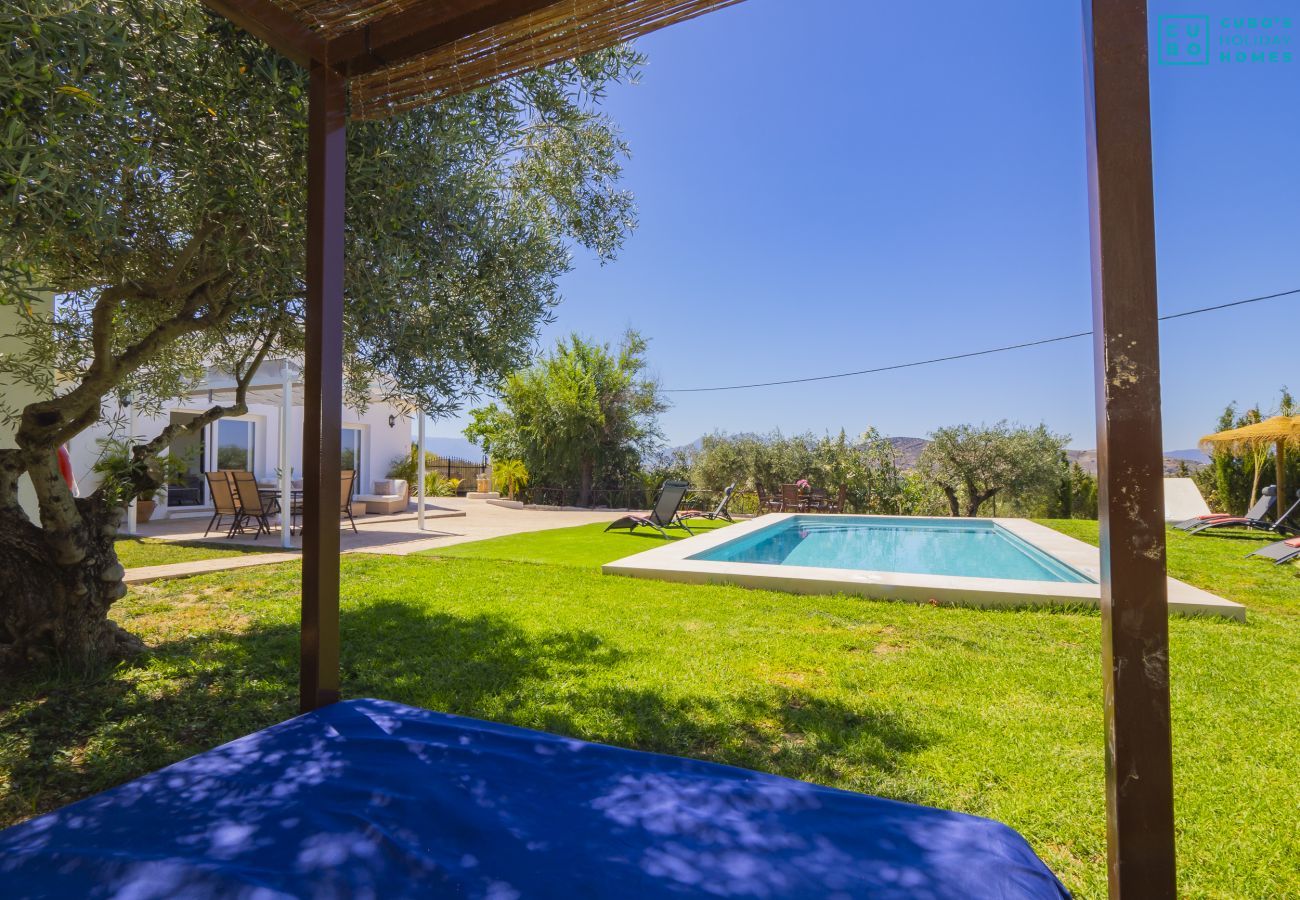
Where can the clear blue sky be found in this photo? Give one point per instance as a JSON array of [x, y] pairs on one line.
[[834, 185]]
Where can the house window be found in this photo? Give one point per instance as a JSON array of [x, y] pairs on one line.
[[235, 445]]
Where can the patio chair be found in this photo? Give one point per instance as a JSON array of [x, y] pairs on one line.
[[345, 497], [720, 512], [1283, 524], [1279, 551], [792, 500], [253, 505], [837, 505], [664, 514], [766, 503], [224, 502], [1258, 511]]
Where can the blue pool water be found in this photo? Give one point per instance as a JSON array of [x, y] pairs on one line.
[[975, 548]]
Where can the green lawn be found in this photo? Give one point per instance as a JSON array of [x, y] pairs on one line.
[[136, 552], [991, 712]]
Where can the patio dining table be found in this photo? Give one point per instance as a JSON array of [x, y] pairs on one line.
[[295, 502], [814, 501]]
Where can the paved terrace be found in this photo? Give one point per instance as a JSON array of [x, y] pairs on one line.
[[448, 521]]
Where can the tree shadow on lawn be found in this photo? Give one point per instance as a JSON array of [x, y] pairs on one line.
[[63, 741]]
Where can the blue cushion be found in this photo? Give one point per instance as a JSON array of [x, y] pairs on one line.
[[375, 799]]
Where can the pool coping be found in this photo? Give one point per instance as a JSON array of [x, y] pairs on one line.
[[670, 562]]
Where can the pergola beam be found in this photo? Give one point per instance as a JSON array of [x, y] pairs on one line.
[[266, 20], [419, 29], [1134, 603]]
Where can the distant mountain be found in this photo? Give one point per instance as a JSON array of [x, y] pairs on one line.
[[1193, 455], [908, 450], [455, 448]]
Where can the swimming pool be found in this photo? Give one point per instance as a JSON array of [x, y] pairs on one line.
[[962, 562], [978, 548]]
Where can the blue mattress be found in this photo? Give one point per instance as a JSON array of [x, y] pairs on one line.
[[375, 799]]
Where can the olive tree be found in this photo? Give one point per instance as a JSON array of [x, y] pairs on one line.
[[152, 172], [866, 465], [972, 464]]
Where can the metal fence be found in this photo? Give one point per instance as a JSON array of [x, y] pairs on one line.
[[451, 467]]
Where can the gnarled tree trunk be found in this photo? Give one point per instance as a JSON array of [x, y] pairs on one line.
[[59, 581]]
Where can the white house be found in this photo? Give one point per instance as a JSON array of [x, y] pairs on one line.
[[16, 394], [262, 442]]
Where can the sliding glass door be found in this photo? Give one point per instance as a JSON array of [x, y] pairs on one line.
[[189, 489], [235, 445]]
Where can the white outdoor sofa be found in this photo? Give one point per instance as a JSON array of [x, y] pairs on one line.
[[391, 496]]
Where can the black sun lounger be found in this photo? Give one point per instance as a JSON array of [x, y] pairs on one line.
[[1281, 525], [1279, 551], [664, 515], [1261, 508], [719, 513]]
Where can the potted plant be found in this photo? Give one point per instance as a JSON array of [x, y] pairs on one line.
[[117, 468]]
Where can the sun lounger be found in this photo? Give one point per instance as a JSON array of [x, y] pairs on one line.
[[1279, 551], [720, 512], [1261, 508], [1283, 524], [664, 515]]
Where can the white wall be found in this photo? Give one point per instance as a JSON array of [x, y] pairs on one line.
[[385, 442], [16, 396], [379, 442]]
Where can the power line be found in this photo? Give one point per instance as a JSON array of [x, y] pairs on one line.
[[973, 353]]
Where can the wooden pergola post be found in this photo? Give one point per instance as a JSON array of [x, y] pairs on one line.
[[1134, 603], [323, 389]]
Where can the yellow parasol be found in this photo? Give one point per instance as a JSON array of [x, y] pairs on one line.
[[1279, 431]]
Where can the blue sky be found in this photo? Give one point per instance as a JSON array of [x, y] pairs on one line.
[[834, 185]]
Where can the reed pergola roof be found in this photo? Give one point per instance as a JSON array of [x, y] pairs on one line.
[[1280, 432], [401, 54], [1277, 430]]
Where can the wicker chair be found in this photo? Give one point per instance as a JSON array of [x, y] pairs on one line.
[[345, 497], [224, 501], [253, 507], [766, 504]]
